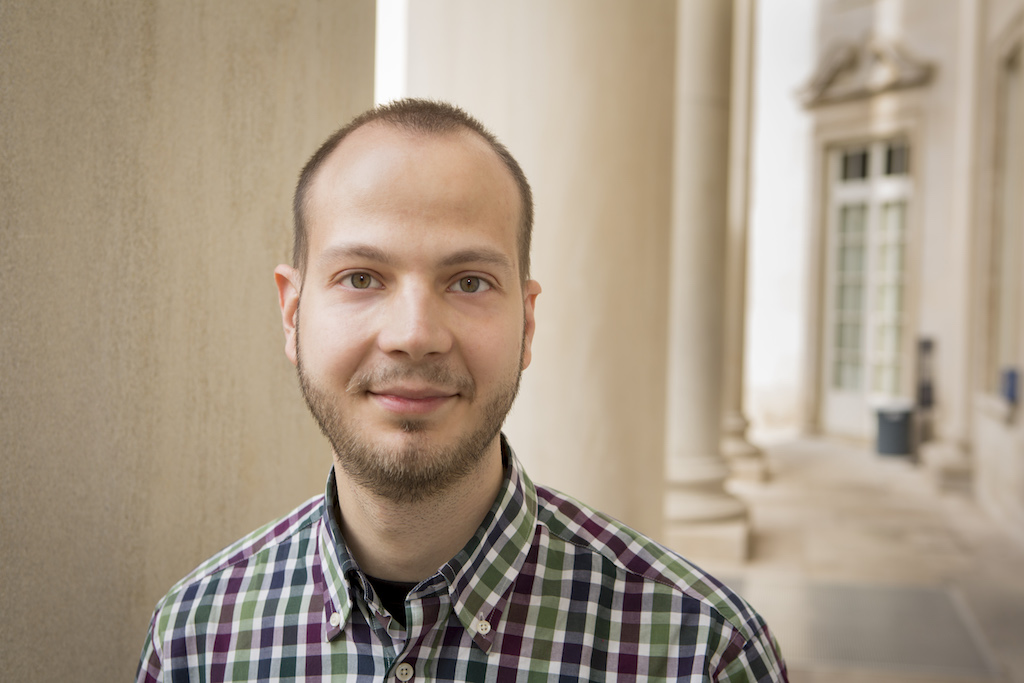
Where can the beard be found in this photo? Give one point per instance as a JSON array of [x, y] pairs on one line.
[[420, 469]]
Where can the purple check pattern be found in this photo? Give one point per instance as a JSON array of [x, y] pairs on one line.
[[547, 590]]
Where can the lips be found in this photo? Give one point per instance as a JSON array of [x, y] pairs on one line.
[[413, 393], [411, 400]]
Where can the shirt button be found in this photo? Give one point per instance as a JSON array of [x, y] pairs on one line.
[[404, 671], [483, 628], [335, 619]]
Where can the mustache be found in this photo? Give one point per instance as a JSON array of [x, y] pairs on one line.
[[437, 375]]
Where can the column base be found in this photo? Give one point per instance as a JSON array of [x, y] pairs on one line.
[[949, 465], [711, 542], [746, 461]]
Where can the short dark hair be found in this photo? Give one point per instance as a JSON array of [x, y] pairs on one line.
[[422, 116]]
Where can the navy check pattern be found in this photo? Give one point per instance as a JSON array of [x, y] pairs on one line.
[[547, 590]]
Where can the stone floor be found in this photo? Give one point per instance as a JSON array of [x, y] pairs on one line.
[[866, 572]]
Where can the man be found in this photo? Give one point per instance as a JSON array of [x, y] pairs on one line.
[[409, 314]]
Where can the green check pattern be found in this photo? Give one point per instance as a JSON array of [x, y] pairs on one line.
[[547, 590]]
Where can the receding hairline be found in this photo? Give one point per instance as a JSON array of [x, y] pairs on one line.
[[459, 132], [417, 118], [410, 132]]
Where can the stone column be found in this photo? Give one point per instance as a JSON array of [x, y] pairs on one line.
[[149, 416], [745, 459], [703, 520], [581, 92], [948, 457]]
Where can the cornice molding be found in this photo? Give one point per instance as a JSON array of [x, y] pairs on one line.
[[860, 70]]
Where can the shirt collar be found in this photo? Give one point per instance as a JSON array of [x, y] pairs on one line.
[[481, 575], [337, 564], [478, 577]]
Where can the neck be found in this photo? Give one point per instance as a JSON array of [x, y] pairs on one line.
[[410, 541]]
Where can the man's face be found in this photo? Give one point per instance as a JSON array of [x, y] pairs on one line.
[[415, 324]]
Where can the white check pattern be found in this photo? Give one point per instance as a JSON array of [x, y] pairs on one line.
[[566, 594]]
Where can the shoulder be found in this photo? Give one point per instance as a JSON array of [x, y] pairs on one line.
[[257, 548], [633, 557]]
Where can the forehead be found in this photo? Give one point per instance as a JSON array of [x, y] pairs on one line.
[[381, 170]]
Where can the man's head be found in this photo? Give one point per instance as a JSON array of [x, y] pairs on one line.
[[416, 317], [427, 117]]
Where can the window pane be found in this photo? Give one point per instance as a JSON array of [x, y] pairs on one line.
[[887, 340], [883, 299], [897, 158], [851, 376], [852, 259], [885, 378], [854, 164], [851, 222], [849, 297]]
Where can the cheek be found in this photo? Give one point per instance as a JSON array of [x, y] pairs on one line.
[[493, 354], [331, 344]]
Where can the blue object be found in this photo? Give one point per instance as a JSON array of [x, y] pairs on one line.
[[1008, 384]]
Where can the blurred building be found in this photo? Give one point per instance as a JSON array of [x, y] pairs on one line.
[[917, 234]]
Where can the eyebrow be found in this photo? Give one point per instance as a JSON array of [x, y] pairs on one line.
[[487, 256], [372, 253], [361, 251]]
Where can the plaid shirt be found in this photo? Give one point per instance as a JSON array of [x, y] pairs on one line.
[[547, 589]]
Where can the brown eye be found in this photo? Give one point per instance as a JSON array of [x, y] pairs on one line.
[[471, 284], [361, 280]]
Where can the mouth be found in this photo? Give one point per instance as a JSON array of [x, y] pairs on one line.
[[411, 400]]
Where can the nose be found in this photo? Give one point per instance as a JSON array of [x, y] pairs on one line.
[[415, 323]]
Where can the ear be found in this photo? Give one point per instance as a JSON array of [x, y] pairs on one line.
[[530, 291], [289, 285]]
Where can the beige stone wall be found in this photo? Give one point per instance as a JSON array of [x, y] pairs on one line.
[[997, 427], [582, 93], [148, 414], [998, 448]]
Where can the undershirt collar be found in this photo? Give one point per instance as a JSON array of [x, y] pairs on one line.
[[392, 595]]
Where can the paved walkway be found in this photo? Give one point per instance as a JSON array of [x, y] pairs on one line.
[[867, 573]]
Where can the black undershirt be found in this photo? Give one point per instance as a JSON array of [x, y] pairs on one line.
[[392, 595]]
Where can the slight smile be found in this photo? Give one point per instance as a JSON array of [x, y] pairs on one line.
[[411, 401]]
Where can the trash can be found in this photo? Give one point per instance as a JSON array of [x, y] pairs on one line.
[[895, 428]]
